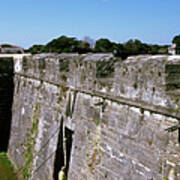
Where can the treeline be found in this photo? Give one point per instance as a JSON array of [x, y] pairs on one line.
[[62, 44], [65, 44]]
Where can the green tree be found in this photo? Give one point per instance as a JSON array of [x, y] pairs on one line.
[[82, 47], [119, 50], [62, 44], [65, 44], [158, 49], [154, 49], [135, 47], [103, 45], [176, 40], [35, 49]]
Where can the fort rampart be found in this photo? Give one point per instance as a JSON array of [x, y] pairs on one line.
[[102, 117]]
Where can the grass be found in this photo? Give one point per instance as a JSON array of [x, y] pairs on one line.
[[6, 168]]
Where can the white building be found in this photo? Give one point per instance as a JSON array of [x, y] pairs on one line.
[[7, 48], [172, 49]]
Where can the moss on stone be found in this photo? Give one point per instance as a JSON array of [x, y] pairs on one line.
[[98, 122], [149, 141], [104, 69], [63, 77], [135, 85], [64, 90], [25, 64], [42, 74], [6, 168], [139, 70], [24, 84], [63, 65], [42, 64], [60, 98], [30, 143]]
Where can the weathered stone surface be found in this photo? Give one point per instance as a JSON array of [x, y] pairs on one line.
[[117, 112], [124, 143]]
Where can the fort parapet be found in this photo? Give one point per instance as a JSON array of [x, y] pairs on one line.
[[102, 117]]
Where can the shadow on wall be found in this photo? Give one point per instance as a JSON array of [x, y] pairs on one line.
[[59, 158], [62, 158], [6, 100], [69, 139]]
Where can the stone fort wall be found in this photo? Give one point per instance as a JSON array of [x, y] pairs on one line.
[[102, 117]]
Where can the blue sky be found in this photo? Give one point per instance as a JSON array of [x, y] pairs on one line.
[[28, 22]]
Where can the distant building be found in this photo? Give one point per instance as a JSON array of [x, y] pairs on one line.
[[172, 49], [10, 49], [90, 41]]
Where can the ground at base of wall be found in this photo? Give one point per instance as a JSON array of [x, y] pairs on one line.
[[6, 168]]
